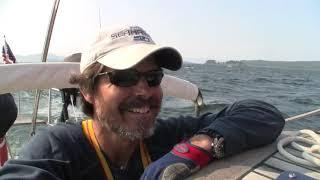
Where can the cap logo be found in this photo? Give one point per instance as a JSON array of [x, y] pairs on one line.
[[141, 38], [137, 33]]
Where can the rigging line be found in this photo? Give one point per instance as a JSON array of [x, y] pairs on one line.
[[300, 116], [99, 18]]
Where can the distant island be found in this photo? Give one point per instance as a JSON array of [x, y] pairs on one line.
[[230, 62], [314, 65], [37, 58], [211, 62], [310, 65]]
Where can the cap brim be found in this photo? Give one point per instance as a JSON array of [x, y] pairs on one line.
[[128, 56]]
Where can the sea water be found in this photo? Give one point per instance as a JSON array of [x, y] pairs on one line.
[[292, 87]]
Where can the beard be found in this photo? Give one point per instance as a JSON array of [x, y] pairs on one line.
[[132, 135], [140, 132], [126, 133]]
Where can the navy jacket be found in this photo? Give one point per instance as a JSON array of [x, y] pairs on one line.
[[63, 152], [8, 113]]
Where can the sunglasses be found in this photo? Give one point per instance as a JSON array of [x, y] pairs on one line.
[[131, 77]]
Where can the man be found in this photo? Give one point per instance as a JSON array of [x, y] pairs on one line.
[[69, 95], [120, 85]]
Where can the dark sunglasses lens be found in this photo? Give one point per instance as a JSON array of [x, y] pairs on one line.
[[154, 78], [124, 78]]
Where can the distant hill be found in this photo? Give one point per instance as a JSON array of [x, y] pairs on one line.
[[55, 58], [37, 58], [288, 64], [211, 62], [308, 65], [188, 60]]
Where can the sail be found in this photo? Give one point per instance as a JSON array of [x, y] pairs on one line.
[[7, 50]]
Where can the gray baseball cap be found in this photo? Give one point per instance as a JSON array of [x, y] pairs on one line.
[[123, 47]]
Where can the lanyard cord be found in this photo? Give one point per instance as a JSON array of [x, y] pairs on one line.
[[89, 132], [146, 160]]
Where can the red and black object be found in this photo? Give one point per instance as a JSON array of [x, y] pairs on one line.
[[199, 156]]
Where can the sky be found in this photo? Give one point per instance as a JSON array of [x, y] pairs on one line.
[[275, 30]]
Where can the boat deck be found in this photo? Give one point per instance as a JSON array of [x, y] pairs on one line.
[[22, 120], [263, 163], [276, 164]]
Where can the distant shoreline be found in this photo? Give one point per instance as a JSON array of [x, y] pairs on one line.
[[56, 58]]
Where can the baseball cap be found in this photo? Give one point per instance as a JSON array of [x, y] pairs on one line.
[[123, 47]]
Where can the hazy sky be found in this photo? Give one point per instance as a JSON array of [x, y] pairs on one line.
[[200, 29]]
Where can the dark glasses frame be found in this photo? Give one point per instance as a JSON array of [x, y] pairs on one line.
[[131, 77]]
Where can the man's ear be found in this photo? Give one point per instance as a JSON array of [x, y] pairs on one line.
[[87, 96]]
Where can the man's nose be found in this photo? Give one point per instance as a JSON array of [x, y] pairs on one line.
[[142, 87]]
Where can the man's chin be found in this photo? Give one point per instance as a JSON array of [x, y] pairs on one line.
[[135, 135]]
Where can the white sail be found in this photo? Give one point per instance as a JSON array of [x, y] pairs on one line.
[[30, 76]]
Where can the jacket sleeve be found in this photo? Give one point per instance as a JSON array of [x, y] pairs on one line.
[[43, 157], [244, 124], [32, 169], [57, 152]]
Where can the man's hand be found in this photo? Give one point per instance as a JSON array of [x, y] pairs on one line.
[[203, 141], [183, 160]]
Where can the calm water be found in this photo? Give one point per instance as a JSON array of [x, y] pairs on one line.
[[292, 87]]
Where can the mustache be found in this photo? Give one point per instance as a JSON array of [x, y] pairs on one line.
[[139, 101]]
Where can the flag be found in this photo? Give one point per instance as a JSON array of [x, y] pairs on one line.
[[7, 50]]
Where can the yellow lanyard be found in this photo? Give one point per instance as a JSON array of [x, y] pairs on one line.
[[89, 132]]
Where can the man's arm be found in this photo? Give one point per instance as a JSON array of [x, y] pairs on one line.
[[246, 124], [41, 158], [243, 125], [33, 169], [46, 156]]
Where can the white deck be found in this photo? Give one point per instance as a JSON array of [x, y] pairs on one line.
[[273, 166], [257, 164], [21, 120]]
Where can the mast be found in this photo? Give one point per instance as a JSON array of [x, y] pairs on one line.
[[99, 18], [44, 59]]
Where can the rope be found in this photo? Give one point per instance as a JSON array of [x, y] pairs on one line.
[[310, 155]]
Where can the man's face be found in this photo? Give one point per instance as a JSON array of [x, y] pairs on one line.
[[129, 112]]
